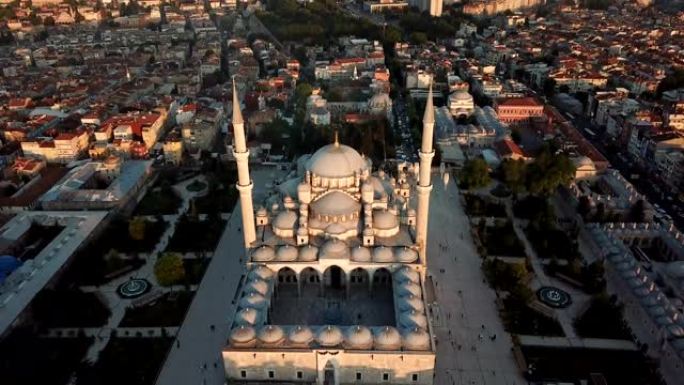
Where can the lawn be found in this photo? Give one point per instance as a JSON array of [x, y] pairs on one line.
[[602, 319], [194, 269], [69, 308], [477, 206], [571, 365], [550, 242], [160, 200], [130, 361], [26, 358], [118, 236], [501, 240], [194, 235], [168, 310], [519, 318], [95, 268]]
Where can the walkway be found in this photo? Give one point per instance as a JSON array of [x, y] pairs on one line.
[[466, 302], [588, 343]]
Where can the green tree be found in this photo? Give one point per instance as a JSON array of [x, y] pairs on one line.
[[513, 174], [549, 87], [584, 207], [475, 174], [49, 21], [136, 228], [169, 269]]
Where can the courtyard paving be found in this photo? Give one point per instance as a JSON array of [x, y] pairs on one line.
[[466, 319]]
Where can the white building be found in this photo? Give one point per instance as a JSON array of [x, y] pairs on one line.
[[461, 104]]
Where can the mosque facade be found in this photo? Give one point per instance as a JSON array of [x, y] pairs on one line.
[[336, 263]]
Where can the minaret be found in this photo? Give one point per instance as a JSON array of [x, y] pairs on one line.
[[424, 187], [244, 184]]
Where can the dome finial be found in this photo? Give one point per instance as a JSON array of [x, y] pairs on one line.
[[337, 141]]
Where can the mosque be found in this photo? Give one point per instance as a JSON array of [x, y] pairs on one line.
[[336, 262]]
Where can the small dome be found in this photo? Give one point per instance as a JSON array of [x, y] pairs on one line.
[[411, 302], [380, 101], [300, 335], [261, 212], [359, 337], [387, 338], [383, 254], [263, 254], [460, 95], [257, 285], [330, 336], [335, 248], [675, 269], [360, 254], [254, 300], [247, 317], [583, 162], [406, 274], [285, 220], [409, 288], [271, 335], [417, 339], [406, 255], [412, 318], [385, 220], [308, 253], [261, 272], [286, 253], [242, 335]]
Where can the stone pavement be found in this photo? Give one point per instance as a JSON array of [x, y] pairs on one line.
[[465, 302]]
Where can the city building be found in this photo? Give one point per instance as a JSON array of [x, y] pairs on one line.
[[335, 292]]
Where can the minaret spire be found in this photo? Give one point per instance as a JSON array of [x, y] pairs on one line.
[[337, 139], [424, 187], [244, 183]]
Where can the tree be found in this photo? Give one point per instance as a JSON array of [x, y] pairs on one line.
[[513, 174], [584, 207], [136, 228], [418, 38], [49, 21], [638, 212], [169, 269], [548, 172], [565, 89], [549, 87], [475, 174]]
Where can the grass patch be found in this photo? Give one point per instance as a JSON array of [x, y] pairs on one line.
[[603, 319], [552, 243], [519, 318], [26, 358], [130, 361], [168, 310], [160, 200], [69, 309], [194, 269], [500, 239], [477, 206], [194, 235]]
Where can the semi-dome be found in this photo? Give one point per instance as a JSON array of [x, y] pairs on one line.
[[285, 220], [263, 254], [287, 253], [329, 336], [411, 302], [406, 274], [336, 161], [385, 220], [383, 254], [254, 300], [413, 318], [261, 272], [300, 335], [271, 335], [409, 288], [360, 254], [308, 253], [406, 255], [335, 203], [257, 285], [335, 248], [387, 338], [242, 335], [416, 339], [359, 337], [247, 316]]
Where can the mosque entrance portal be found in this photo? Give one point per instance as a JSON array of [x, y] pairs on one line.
[[329, 374], [335, 277]]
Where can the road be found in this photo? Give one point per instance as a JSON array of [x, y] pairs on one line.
[[466, 302]]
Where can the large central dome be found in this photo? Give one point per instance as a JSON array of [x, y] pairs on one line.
[[336, 161]]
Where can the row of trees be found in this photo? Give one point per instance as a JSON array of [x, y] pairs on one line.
[[541, 177]]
